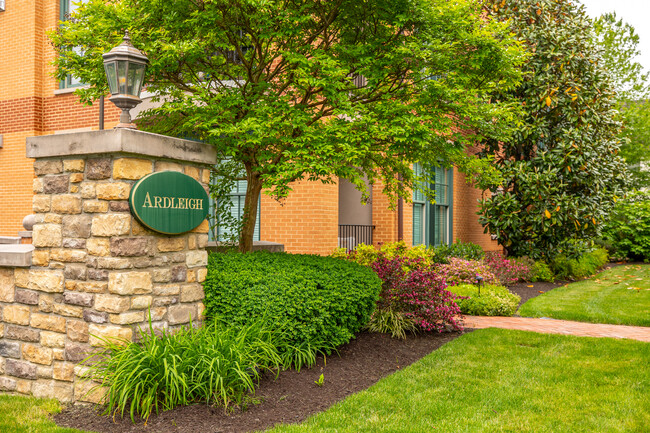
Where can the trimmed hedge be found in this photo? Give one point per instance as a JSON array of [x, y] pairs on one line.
[[493, 301], [320, 302]]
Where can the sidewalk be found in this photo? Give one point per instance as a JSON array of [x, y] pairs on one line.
[[554, 326]]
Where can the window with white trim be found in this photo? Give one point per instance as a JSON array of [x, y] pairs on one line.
[[432, 216]]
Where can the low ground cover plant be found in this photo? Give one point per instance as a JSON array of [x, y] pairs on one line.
[[508, 270], [585, 265], [628, 230], [490, 300], [459, 271], [460, 250], [540, 271], [319, 302]]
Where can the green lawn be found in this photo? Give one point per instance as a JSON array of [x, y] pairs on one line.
[[29, 415], [619, 296], [497, 380]]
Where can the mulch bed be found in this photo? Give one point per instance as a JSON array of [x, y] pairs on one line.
[[290, 399]]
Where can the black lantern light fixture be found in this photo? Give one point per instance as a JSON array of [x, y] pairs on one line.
[[124, 66]]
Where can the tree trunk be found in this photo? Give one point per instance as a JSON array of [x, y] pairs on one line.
[[250, 210]]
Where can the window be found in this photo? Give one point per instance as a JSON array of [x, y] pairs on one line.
[[432, 222], [237, 197], [66, 9]]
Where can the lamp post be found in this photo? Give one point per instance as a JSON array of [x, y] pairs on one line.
[[124, 66], [479, 280]]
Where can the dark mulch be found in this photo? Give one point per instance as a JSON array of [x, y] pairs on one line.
[[290, 399]]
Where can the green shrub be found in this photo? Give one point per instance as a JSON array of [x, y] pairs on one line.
[[320, 302], [540, 271], [628, 230], [460, 250], [217, 363], [493, 301], [459, 271], [366, 255], [584, 266]]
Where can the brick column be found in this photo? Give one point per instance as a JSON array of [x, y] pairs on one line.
[[96, 271]]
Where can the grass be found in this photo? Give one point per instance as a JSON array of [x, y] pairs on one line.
[[29, 415], [497, 380], [619, 296]]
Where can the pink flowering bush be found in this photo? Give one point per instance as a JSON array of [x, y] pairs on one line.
[[508, 271], [418, 294], [459, 271]]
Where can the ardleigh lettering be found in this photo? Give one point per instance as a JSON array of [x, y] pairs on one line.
[[172, 202]]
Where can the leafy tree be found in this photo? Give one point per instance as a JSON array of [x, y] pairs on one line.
[[619, 43], [561, 170], [317, 90]]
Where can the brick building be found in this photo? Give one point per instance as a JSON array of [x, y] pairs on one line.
[[315, 218]]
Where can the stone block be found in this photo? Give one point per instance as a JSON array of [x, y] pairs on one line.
[[205, 176], [162, 275], [74, 165], [97, 332], [48, 323], [113, 191], [130, 283], [41, 258], [26, 297], [166, 290], [98, 247], [127, 318], [77, 330], [111, 225], [87, 190], [75, 352], [204, 227], [119, 206], [98, 169], [191, 293], [61, 391], [202, 240], [37, 354], [193, 172], [57, 184], [74, 188], [142, 262], [58, 354], [7, 285], [179, 274], [41, 203], [68, 255], [23, 334], [44, 372], [131, 168], [7, 384], [77, 226], [191, 242], [201, 274], [158, 313], [165, 301], [98, 274], [179, 314], [191, 276], [138, 229], [81, 299], [141, 302], [9, 349], [88, 392], [113, 263], [52, 339], [63, 371], [75, 178], [50, 280], [37, 185], [74, 243], [176, 243], [112, 304], [95, 206], [52, 218], [168, 166], [17, 314], [47, 235], [75, 272], [47, 166], [21, 277], [24, 386], [46, 303], [200, 309], [95, 316], [66, 204], [91, 286], [129, 247], [20, 369], [67, 310], [196, 258]]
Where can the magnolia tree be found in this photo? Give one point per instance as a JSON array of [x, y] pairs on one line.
[[317, 90], [561, 169]]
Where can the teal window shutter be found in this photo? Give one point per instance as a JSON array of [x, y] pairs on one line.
[[432, 222], [419, 207], [237, 197]]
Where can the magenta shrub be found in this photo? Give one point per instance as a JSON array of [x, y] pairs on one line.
[[459, 271], [420, 294], [508, 271]]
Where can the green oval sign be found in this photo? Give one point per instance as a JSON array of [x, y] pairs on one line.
[[169, 202]]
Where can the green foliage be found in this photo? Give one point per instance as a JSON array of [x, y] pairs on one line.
[[366, 255], [318, 302], [541, 271], [561, 170], [493, 300], [584, 266], [459, 271], [216, 364], [391, 321], [629, 229], [461, 250], [271, 84]]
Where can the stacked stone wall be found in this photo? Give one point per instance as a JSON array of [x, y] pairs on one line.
[[96, 272]]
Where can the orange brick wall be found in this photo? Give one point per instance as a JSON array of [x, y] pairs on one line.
[[306, 221], [29, 104]]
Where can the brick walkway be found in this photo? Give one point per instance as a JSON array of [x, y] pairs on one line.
[[553, 326]]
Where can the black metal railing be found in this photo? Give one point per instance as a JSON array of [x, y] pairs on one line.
[[351, 235]]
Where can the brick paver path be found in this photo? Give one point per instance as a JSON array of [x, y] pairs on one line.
[[553, 326]]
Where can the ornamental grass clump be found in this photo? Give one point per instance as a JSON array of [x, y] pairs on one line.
[[509, 270], [418, 295], [459, 271], [216, 364]]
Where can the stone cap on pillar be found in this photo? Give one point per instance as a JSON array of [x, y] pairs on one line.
[[120, 140]]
